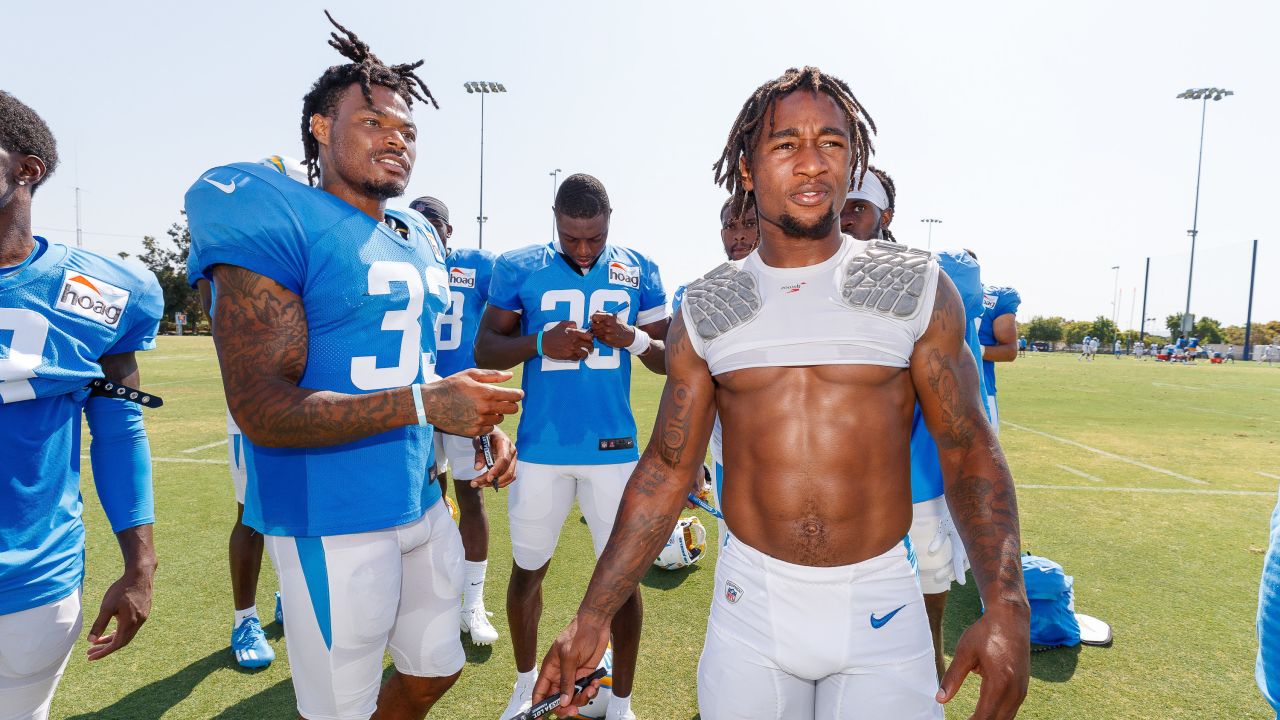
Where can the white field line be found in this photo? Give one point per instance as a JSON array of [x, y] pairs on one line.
[[1104, 453], [198, 448], [1162, 491], [1179, 387], [1268, 475], [1080, 473], [195, 461]]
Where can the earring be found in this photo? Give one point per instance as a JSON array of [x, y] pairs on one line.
[[22, 182]]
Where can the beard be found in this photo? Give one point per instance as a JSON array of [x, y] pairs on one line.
[[384, 190], [817, 230]]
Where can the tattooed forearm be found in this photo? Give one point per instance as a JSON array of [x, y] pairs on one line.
[[958, 423], [985, 510], [260, 332]]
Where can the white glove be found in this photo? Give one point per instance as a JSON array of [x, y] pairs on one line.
[[959, 561]]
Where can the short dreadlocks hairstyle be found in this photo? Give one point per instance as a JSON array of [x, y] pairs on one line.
[[582, 196], [889, 190], [24, 132], [366, 69], [751, 122]]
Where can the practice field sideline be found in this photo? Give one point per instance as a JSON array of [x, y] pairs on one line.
[[1152, 485]]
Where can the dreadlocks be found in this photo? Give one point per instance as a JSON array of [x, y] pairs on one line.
[[365, 68], [747, 128], [24, 132], [891, 192]]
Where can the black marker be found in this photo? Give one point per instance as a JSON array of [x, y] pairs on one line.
[[488, 457], [551, 703]]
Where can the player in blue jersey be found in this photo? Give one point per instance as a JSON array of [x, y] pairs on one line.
[[67, 317], [999, 337], [574, 312], [325, 304], [249, 643], [469, 272]]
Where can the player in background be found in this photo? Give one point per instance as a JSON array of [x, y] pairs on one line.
[[469, 270], [817, 611], [940, 557], [1093, 352], [738, 235], [1084, 349], [999, 337], [1022, 346], [577, 435], [67, 317], [249, 643], [1139, 349], [324, 316]]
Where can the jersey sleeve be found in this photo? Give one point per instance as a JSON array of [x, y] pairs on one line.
[[251, 225], [1007, 303], [484, 275], [677, 299], [143, 316], [504, 287], [653, 299]]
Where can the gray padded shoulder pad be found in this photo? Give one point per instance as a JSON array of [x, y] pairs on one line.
[[889, 279], [722, 300]]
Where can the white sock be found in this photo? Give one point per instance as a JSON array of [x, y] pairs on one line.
[[618, 707], [473, 589], [245, 614], [527, 679]]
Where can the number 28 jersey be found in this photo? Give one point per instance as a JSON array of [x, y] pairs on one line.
[[371, 297], [470, 271], [577, 412]]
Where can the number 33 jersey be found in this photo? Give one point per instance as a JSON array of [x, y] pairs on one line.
[[577, 412], [371, 296]]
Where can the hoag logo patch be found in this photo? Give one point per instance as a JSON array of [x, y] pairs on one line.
[[620, 274], [462, 277], [92, 298]]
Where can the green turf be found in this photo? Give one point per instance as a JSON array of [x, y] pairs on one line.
[[1175, 573]]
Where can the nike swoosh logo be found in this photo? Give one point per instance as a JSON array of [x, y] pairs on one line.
[[226, 188], [475, 584], [879, 622]]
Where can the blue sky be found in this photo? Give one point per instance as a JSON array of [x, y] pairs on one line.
[[1046, 137]]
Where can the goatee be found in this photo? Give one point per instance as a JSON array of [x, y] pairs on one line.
[[818, 230]]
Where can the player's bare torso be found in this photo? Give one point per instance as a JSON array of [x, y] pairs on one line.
[[816, 460]]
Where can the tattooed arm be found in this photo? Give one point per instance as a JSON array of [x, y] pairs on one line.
[[980, 495], [650, 506], [260, 331]]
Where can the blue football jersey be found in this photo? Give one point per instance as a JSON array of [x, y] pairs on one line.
[[996, 301], [61, 310], [577, 412], [470, 271], [926, 472], [371, 296]]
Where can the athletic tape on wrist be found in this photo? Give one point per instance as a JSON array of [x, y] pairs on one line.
[[540, 342], [641, 344], [417, 404]]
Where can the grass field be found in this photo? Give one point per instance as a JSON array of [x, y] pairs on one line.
[[1152, 485]]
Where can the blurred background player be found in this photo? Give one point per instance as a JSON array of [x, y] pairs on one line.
[[999, 337], [325, 307], [940, 556], [244, 548], [67, 316], [577, 436], [469, 272]]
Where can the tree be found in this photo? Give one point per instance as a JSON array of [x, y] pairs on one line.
[[1074, 331], [1103, 328], [1234, 334], [1044, 329], [1209, 330], [170, 266], [1174, 323]]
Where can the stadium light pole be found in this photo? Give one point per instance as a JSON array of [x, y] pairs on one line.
[[555, 179], [1248, 314], [1146, 278], [932, 222], [483, 88], [1204, 95]]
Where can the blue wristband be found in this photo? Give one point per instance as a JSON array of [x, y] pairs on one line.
[[540, 342], [416, 391]]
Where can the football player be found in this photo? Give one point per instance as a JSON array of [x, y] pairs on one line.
[[816, 348], [574, 312], [469, 272], [67, 317], [999, 337], [325, 305]]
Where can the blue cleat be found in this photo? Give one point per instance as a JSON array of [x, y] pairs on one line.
[[249, 644], [279, 610]]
